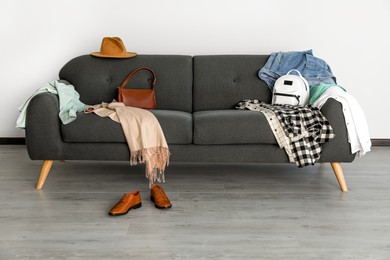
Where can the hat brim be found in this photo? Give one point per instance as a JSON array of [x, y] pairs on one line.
[[124, 56]]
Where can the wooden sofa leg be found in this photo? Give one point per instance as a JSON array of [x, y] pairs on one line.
[[44, 172], [338, 171]]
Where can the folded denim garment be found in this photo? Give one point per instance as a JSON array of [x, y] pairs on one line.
[[313, 69]]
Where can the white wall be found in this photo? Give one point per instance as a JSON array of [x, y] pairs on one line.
[[39, 36]]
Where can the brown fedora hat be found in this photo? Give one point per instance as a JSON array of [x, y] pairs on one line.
[[113, 47]]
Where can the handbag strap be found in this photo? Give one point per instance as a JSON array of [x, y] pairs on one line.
[[134, 72]]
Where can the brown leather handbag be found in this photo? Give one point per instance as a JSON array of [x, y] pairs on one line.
[[141, 98]]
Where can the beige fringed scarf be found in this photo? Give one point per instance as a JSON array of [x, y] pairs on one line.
[[143, 134]]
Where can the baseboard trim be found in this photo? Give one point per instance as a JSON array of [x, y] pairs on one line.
[[12, 140], [380, 142], [21, 140]]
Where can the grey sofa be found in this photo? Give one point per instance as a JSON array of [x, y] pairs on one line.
[[195, 107]]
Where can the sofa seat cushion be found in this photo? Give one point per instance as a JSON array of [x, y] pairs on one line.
[[231, 127], [90, 128]]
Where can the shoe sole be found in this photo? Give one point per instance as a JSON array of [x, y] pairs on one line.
[[133, 207], [167, 207]]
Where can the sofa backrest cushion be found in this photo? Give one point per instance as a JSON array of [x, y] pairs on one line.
[[221, 81], [97, 79]]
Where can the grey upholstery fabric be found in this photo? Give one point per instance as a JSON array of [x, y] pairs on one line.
[[43, 131], [338, 148], [221, 81], [97, 79], [177, 126], [231, 127], [90, 128], [248, 153]]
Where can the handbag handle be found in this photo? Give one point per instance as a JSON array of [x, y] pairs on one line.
[[134, 72]]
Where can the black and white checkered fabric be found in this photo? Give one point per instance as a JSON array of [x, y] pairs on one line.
[[306, 127]]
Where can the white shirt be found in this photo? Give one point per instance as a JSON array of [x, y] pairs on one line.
[[355, 120]]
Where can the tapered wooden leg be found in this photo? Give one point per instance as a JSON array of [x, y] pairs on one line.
[[338, 171], [44, 172]]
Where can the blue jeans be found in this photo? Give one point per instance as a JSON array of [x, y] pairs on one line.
[[313, 69]]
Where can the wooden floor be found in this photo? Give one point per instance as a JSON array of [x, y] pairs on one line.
[[268, 211]]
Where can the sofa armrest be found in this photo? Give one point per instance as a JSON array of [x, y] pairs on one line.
[[338, 149], [43, 131]]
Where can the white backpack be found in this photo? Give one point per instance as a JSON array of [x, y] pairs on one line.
[[291, 90]]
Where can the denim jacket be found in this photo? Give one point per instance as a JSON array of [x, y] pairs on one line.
[[313, 69]]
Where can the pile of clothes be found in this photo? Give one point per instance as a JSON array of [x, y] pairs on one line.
[[302, 130]]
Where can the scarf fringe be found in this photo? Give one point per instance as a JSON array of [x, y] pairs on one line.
[[155, 159]]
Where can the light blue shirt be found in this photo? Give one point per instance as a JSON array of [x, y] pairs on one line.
[[69, 100]]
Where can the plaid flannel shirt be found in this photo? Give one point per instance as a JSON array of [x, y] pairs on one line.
[[306, 129]]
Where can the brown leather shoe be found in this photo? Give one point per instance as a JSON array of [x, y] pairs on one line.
[[129, 201], [158, 196]]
